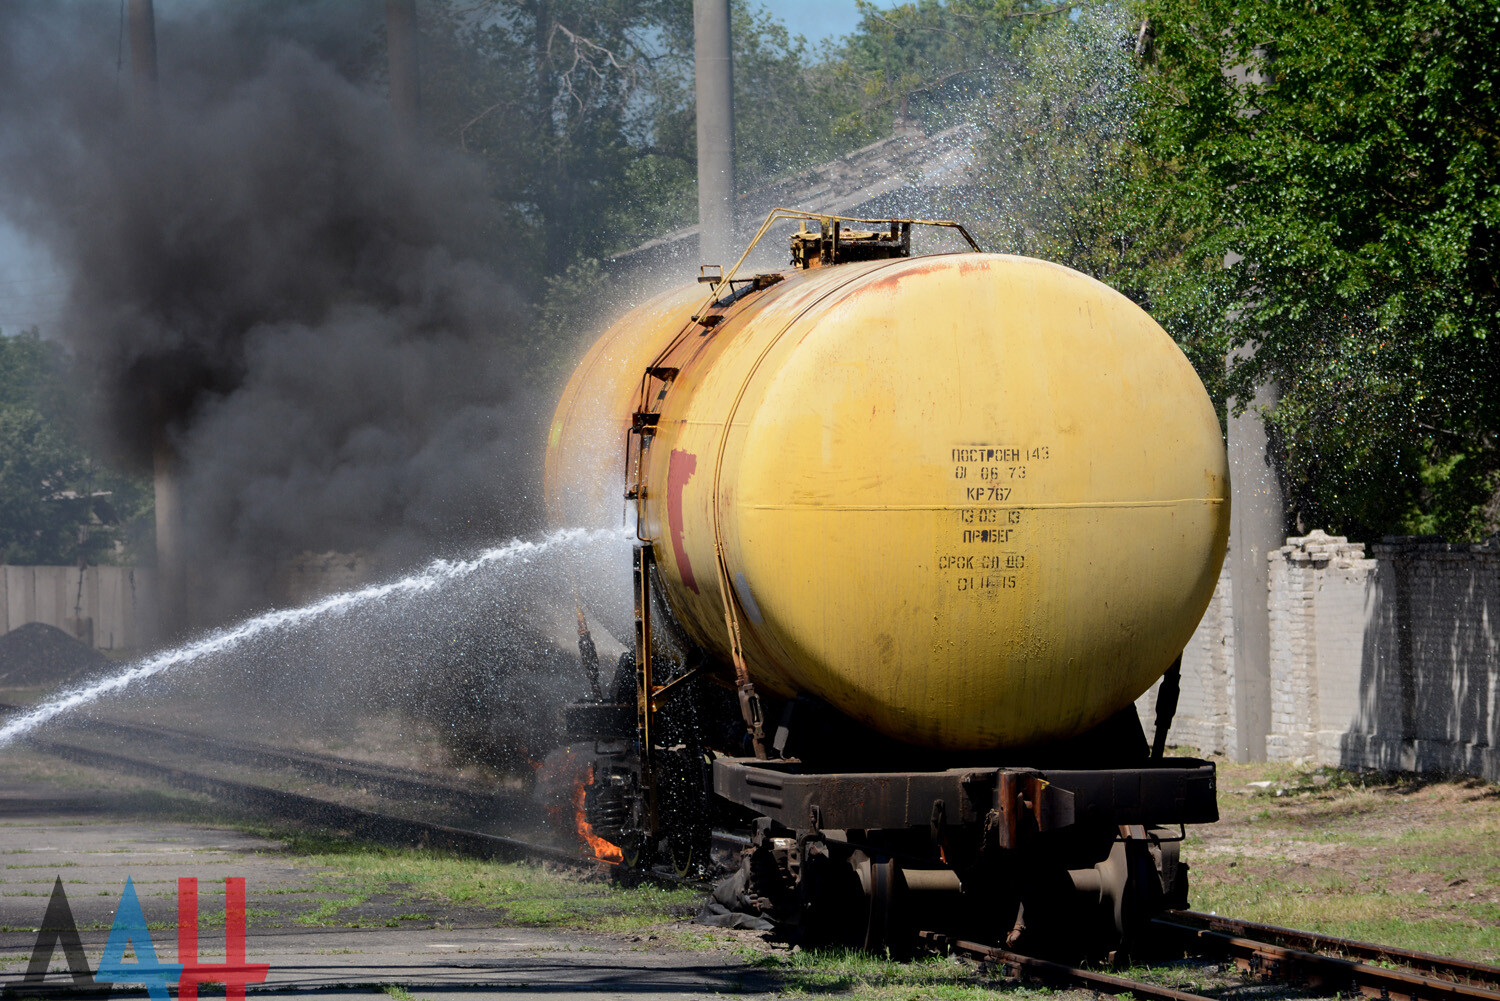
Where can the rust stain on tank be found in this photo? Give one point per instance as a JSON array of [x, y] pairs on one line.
[[891, 281]]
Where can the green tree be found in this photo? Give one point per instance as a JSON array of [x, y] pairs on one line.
[[793, 106], [583, 113], [57, 504], [1057, 98], [591, 145], [556, 98], [1347, 155], [1061, 147]]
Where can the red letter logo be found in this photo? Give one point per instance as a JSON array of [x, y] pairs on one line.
[[234, 973]]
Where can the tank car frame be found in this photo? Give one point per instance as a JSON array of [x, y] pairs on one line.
[[1070, 859]]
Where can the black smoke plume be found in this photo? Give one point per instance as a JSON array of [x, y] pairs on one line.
[[269, 274]]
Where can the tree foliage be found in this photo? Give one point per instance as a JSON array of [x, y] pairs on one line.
[[1064, 172], [57, 505], [550, 96], [1346, 155], [583, 112], [1343, 154], [1060, 143]]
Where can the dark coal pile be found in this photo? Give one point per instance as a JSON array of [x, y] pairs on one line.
[[38, 654]]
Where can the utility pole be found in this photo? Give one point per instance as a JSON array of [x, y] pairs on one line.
[[713, 73], [143, 51], [401, 60], [171, 590], [1257, 526]]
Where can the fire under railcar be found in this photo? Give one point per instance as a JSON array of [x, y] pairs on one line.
[[913, 533]]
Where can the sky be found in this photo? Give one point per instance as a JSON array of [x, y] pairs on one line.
[[32, 288], [817, 19]]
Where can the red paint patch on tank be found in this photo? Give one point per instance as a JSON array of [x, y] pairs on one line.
[[680, 469]]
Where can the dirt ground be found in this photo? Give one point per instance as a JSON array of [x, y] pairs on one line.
[[328, 917], [1399, 860]]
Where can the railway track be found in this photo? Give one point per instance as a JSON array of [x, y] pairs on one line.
[[1313, 961], [370, 825], [399, 784], [1018, 966], [1330, 964], [374, 825], [1421, 962], [1324, 965]]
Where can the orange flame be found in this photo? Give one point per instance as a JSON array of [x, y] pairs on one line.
[[603, 850]]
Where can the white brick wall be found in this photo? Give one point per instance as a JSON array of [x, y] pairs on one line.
[[1390, 662], [1205, 709]]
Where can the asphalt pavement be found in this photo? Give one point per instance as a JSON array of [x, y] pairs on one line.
[[86, 828]]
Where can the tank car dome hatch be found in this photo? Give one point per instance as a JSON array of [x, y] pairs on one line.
[[973, 501]]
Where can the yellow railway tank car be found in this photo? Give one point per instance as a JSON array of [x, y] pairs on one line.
[[925, 515]]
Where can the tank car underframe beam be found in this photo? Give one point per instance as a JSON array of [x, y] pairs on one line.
[[1169, 791]]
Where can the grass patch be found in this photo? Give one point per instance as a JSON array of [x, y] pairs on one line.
[[394, 921], [856, 974], [518, 894], [324, 915], [353, 884], [1400, 860]]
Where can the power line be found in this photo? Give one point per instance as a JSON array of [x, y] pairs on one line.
[[120, 43]]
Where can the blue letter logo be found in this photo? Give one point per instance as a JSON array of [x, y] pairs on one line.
[[130, 927]]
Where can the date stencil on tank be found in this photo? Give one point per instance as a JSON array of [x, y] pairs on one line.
[[986, 551]]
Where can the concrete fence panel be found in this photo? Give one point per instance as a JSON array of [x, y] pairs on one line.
[[109, 608], [1205, 707]]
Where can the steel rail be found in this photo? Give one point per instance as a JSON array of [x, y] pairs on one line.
[[391, 783], [1442, 967], [401, 781], [1016, 966], [1323, 972], [365, 824]]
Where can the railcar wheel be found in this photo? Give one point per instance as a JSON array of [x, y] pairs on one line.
[[830, 894], [881, 878], [1122, 893], [685, 788]]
